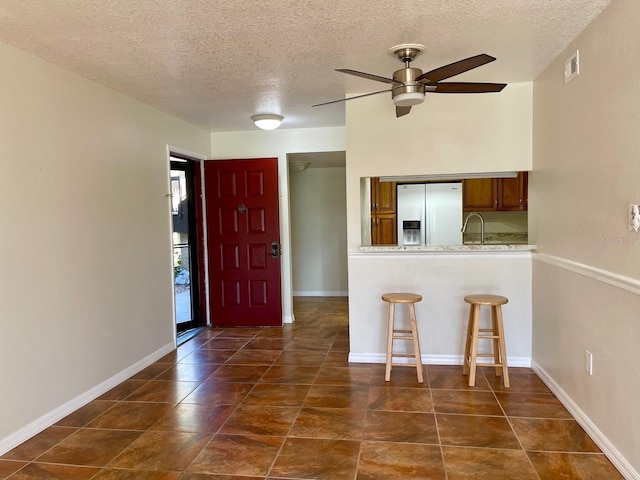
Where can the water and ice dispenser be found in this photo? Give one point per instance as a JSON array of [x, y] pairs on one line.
[[411, 232]]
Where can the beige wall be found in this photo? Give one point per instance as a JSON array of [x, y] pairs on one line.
[[319, 231], [86, 281], [586, 280]]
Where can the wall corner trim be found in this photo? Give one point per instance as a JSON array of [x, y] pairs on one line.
[[620, 281], [610, 451]]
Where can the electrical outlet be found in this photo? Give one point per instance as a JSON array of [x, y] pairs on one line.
[[634, 218], [588, 362]]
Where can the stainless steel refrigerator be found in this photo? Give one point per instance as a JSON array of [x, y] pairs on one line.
[[429, 214]]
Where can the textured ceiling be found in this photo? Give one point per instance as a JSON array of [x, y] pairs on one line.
[[215, 63]]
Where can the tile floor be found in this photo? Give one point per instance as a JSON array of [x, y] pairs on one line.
[[243, 404]]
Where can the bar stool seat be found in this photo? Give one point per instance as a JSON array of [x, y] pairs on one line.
[[393, 333], [495, 333]]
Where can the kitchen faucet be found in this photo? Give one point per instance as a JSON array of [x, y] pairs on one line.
[[464, 227]]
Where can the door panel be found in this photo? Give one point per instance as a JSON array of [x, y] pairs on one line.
[[242, 224]]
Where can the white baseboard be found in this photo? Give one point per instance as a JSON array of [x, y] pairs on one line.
[[54, 416], [611, 452], [430, 359], [319, 293]]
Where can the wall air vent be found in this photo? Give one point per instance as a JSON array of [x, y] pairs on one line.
[[572, 67]]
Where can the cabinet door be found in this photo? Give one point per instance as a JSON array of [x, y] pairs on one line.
[[480, 194], [511, 193], [384, 230], [383, 196]]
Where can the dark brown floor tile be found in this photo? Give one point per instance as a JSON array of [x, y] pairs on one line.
[[44, 471], [162, 391], [188, 372], [153, 450], [262, 343], [300, 458], [336, 359], [225, 343], [85, 414], [90, 447], [208, 356], [308, 359], [451, 378], [328, 396], [518, 382], [464, 463], [260, 420], [37, 445], [205, 476], [131, 416], [400, 399], [476, 431], [541, 405], [7, 467], [237, 455], [254, 357], [465, 402], [241, 332], [194, 417], [283, 395], [122, 474], [344, 376], [406, 461], [573, 466], [290, 374], [152, 371], [123, 390], [552, 435], [408, 427], [340, 345], [312, 344], [329, 423], [239, 373], [403, 376], [215, 393]]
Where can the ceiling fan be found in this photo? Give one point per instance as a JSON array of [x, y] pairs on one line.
[[409, 85]]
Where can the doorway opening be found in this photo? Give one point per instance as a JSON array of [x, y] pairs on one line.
[[186, 255]]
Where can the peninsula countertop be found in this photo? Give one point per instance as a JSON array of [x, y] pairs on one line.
[[493, 248]]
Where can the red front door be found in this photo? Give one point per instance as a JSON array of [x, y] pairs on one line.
[[243, 236]]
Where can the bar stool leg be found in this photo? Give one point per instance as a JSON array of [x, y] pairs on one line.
[[416, 342], [467, 348], [474, 345], [387, 371], [496, 341], [503, 348]]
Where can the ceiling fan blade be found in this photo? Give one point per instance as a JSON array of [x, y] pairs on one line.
[[468, 87], [369, 76], [400, 111], [455, 68], [351, 98]]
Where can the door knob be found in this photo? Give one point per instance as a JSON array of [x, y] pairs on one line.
[[275, 250]]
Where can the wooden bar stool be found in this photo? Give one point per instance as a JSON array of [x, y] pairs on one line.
[[495, 333], [396, 334]]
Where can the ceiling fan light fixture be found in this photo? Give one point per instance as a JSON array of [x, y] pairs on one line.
[[267, 121], [408, 99]]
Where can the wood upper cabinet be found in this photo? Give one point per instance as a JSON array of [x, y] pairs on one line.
[[480, 194], [383, 213], [511, 193], [495, 194]]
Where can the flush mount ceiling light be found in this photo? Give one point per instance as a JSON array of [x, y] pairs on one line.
[[267, 121]]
